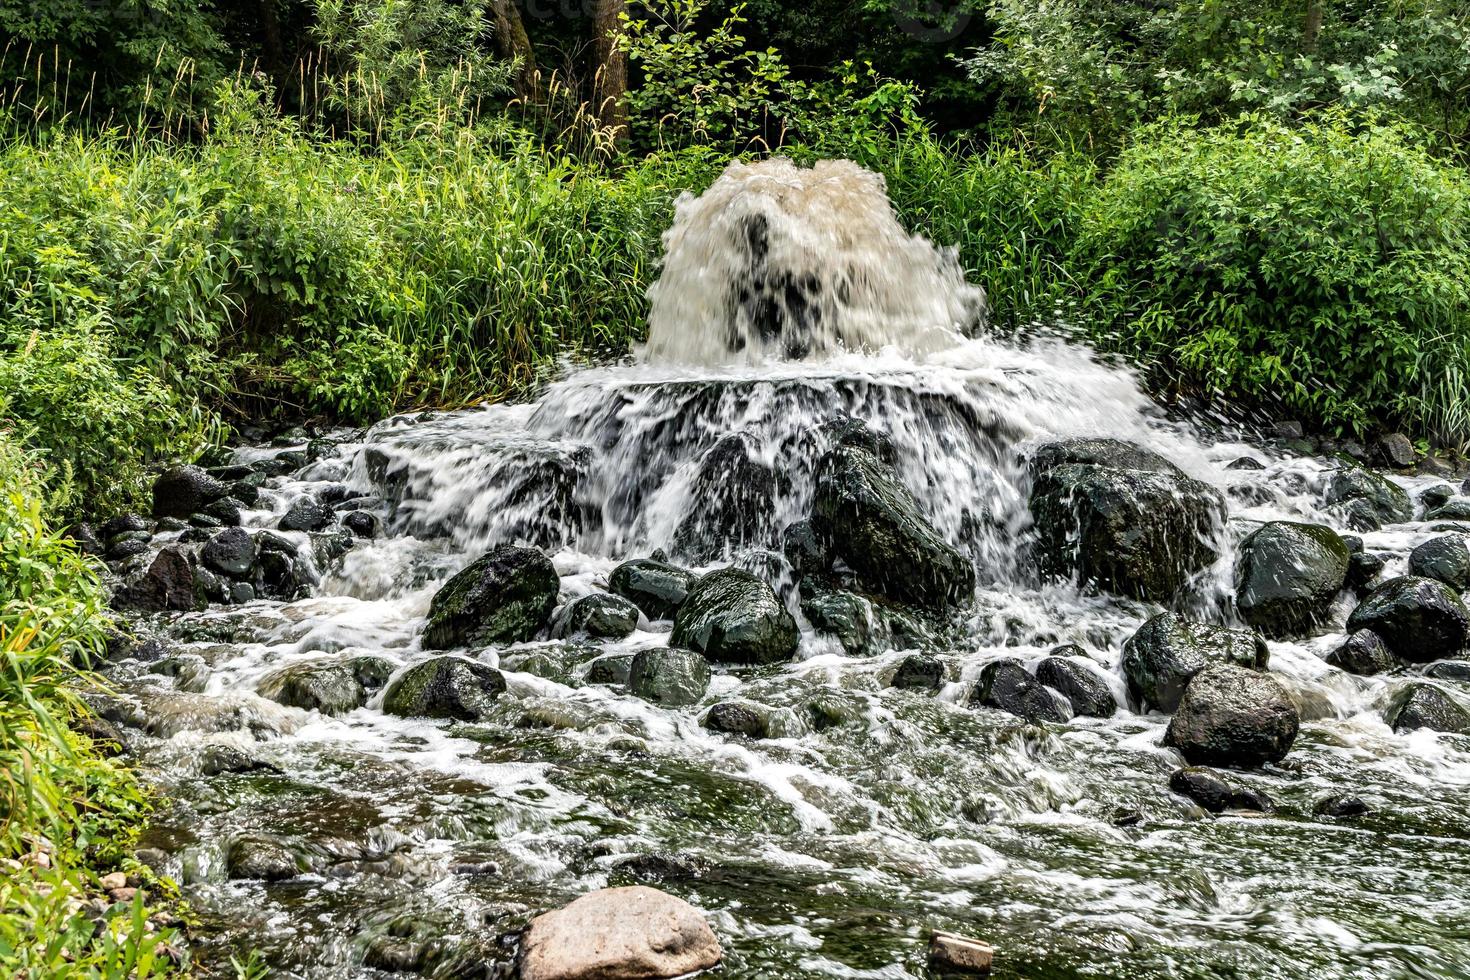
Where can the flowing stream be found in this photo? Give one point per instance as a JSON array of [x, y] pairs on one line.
[[872, 815]]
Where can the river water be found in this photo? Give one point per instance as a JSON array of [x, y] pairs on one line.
[[872, 815]]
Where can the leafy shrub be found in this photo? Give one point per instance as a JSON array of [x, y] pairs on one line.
[[56, 792], [1323, 268]]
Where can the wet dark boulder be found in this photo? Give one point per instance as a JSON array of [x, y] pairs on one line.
[[1382, 499], [1212, 792], [1005, 684], [737, 718], [875, 527], [918, 672], [610, 668], [849, 430], [1435, 496], [184, 491], [1120, 518], [226, 510], [168, 583], [1231, 716], [505, 596], [1288, 575], [128, 545], [669, 677], [653, 585], [846, 616], [444, 687], [1420, 619], [1341, 806], [1423, 705], [124, 524], [332, 687], [230, 552], [601, 614], [732, 492], [362, 523], [1363, 653], [1167, 651], [731, 616], [1445, 559], [1449, 670], [1394, 449], [1456, 509], [1084, 688], [306, 514], [807, 553], [1363, 570]]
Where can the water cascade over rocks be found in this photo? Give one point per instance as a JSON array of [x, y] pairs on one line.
[[829, 623]]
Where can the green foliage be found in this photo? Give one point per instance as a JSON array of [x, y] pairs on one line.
[[1323, 267], [1086, 72], [391, 66], [68, 814]]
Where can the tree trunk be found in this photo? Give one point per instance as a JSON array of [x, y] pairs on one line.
[[1312, 29], [610, 70], [513, 42]]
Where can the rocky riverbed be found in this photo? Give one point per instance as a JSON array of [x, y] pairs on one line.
[[1203, 720]]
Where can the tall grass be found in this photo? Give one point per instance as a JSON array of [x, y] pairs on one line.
[[66, 814]]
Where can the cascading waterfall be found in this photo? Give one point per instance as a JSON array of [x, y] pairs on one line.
[[788, 297]]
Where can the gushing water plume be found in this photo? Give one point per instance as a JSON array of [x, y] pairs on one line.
[[775, 260]]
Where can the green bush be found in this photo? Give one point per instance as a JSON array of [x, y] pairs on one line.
[[1322, 268], [66, 814]]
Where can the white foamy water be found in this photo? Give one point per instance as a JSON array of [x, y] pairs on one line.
[[871, 815]]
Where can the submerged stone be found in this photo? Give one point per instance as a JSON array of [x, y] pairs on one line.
[[731, 494], [1167, 651], [731, 616], [737, 718], [445, 687], [669, 677], [918, 672], [262, 859], [1212, 792], [332, 687], [505, 596], [1231, 716], [1121, 518], [230, 552], [1288, 575]]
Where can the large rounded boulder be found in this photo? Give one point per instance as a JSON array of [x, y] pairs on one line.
[[183, 491], [601, 615], [1370, 498], [731, 616], [332, 687], [1445, 559], [1288, 575], [1118, 517], [1420, 619], [634, 933], [444, 687], [1230, 716], [505, 596], [1065, 672], [1167, 652], [872, 523]]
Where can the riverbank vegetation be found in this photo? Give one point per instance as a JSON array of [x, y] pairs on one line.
[[218, 214]]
